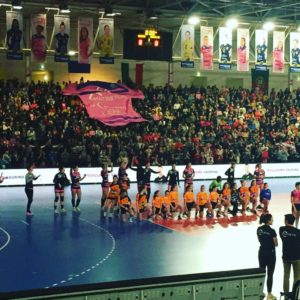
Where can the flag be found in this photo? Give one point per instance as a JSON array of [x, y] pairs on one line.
[[109, 103]]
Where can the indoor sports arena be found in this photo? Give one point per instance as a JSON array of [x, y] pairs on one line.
[[150, 149]]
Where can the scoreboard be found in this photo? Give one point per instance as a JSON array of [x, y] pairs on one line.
[[149, 38], [147, 44]]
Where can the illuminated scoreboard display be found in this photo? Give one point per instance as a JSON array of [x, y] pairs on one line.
[[147, 44], [149, 38]]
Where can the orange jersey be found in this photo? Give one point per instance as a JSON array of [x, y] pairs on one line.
[[226, 193], [124, 201], [166, 200], [244, 193], [213, 197], [188, 197], [174, 197], [141, 201], [253, 191], [114, 191], [202, 198], [157, 202]]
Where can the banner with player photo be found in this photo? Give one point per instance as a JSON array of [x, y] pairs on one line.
[[206, 48], [38, 38], [278, 51], [61, 38], [225, 48], [85, 40], [243, 49], [261, 49], [295, 52], [187, 46], [14, 35], [106, 41]]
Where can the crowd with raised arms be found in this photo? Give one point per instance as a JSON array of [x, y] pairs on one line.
[[201, 125]]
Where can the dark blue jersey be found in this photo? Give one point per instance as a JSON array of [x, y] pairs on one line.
[[225, 53], [265, 194], [261, 51], [295, 56], [62, 43]]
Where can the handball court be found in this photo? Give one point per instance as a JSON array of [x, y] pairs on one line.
[[48, 250]]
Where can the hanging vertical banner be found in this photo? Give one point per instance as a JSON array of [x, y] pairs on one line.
[[278, 51], [294, 52], [85, 40], [187, 46], [38, 38], [61, 38], [225, 48], [106, 41], [14, 35], [261, 49], [242, 49], [206, 49]]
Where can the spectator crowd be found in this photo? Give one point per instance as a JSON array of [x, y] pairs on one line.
[[201, 125]]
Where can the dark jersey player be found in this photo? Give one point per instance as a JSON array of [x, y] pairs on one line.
[[295, 53], [261, 52], [225, 53], [14, 37], [60, 181], [75, 187], [173, 177], [62, 40]]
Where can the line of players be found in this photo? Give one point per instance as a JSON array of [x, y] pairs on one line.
[[221, 199]]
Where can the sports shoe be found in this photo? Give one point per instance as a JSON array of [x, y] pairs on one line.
[[62, 210], [271, 297], [130, 220], [77, 208], [104, 214], [29, 213], [56, 211], [74, 209]]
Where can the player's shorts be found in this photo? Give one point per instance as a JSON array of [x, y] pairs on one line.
[[214, 205], [202, 207], [190, 205], [124, 210], [59, 191], [157, 210], [297, 207]]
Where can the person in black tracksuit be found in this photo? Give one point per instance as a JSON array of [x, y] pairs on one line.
[[29, 177], [267, 238], [230, 175], [173, 177], [147, 179], [140, 172]]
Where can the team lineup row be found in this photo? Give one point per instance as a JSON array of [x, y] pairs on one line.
[[221, 199]]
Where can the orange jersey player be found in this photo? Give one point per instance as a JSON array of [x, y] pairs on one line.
[[202, 202], [189, 200], [142, 208], [175, 206]]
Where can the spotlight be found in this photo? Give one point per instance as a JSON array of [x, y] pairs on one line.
[[16, 4], [232, 23], [193, 20], [72, 53], [268, 26], [298, 29], [151, 15], [64, 8]]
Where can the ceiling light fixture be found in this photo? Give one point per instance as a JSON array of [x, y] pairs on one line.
[[268, 26], [193, 20], [16, 4], [232, 23]]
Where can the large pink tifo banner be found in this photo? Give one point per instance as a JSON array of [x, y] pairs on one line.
[[107, 103]]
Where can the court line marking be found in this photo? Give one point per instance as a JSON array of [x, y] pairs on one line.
[[73, 276], [8, 239], [25, 222]]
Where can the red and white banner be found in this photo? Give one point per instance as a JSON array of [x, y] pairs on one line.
[[278, 51], [243, 49], [206, 49]]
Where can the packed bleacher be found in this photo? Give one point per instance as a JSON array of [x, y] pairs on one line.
[[201, 125]]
